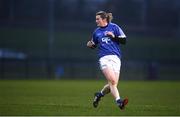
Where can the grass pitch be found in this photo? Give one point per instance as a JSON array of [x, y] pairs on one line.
[[74, 97]]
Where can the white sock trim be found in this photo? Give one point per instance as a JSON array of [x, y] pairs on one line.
[[118, 98]]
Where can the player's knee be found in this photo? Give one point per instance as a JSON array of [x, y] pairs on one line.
[[113, 82]]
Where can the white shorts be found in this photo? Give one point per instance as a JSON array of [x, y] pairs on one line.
[[110, 61]]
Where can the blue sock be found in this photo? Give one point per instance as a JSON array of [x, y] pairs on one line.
[[118, 101], [101, 94]]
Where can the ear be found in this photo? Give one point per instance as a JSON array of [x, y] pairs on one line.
[[104, 20]]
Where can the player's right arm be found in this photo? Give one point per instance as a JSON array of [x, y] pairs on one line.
[[91, 44]]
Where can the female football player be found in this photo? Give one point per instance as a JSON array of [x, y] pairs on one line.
[[108, 36]]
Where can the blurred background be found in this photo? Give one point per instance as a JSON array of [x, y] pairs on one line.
[[46, 39]]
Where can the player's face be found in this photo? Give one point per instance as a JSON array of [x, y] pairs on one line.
[[100, 22]]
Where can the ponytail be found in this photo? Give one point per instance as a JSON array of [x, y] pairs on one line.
[[109, 17]]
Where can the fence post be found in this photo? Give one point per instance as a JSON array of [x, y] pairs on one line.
[[152, 71], [50, 37]]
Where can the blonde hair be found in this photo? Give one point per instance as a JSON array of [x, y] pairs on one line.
[[104, 15]]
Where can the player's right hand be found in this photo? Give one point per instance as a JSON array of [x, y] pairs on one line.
[[91, 44]]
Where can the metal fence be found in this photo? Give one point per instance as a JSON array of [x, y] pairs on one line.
[[75, 69], [31, 26]]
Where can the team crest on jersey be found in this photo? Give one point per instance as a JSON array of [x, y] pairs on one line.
[[106, 39]]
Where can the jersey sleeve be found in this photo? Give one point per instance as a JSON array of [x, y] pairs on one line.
[[119, 32], [94, 38]]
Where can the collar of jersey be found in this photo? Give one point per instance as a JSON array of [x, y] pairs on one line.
[[105, 26]]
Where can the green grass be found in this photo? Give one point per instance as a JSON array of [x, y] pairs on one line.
[[74, 97]]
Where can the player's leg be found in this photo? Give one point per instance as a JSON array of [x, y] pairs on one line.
[[121, 102], [116, 68], [112, 81], [98, 95], [113, 78], [105, 90]]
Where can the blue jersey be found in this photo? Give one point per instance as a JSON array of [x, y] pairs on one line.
[[108, 46]]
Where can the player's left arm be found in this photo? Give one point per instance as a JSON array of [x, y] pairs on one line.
[[122, 39], [118, 35]]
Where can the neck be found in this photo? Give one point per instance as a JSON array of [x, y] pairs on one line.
[[104, 25]]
